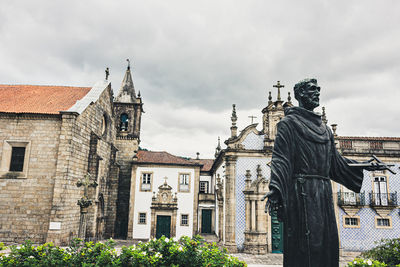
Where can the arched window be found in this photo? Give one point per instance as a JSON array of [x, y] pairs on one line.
[[123, 122]]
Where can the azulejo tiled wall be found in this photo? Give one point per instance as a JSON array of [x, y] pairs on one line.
[[365, 237], [243, 164], [253, 141]]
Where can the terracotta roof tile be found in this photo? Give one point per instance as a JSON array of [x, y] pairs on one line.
[[207, 164], [162, 157], [39, 98]]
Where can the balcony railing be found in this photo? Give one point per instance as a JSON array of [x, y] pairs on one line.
[[351, 199], [382, 199]]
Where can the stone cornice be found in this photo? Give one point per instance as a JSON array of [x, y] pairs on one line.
[[13, 115]]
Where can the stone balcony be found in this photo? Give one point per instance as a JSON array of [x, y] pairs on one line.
[[204, 197]]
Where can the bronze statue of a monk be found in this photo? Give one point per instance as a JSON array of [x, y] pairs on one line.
[[304, 162]]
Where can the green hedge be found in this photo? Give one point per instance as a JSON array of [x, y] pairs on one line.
[[160, 252]]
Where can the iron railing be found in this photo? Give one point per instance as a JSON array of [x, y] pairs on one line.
[[351, 199], [382, 199]]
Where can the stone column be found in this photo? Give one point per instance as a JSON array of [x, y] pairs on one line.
[[230, 203], [253, 215]]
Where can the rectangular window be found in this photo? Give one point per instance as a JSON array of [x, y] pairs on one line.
[[17, 159], [204, 187], [184, 219], [351, 221], [142, 218], [383, 222], [380, 191], [146, 182], [184, 182]]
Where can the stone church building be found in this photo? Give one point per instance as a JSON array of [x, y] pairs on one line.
[[71, 166], [51, 138]]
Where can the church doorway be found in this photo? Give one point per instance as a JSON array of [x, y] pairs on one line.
[[276, 234], [206, 221], [163, 226]]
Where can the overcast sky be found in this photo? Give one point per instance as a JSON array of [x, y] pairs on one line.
[[192, 60]]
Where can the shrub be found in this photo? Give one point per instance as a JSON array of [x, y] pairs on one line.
[[387, 251], [158, 252], [365, 263]]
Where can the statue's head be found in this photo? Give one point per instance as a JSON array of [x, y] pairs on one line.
[[307, 93]]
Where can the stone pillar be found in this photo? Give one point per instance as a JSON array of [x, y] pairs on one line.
[[230, 203], [253, 215]]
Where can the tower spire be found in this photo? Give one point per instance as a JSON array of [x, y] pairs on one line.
[[127, 90], [218, 148]]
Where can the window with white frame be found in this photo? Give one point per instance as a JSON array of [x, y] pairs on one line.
[[203, 187], [184, 219], [380, 191], [142, 218], [146, 181], [184, 182]]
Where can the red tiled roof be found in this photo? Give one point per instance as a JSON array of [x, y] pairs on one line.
[[162, 157], [207, 164], [368, 138], [39, 98]]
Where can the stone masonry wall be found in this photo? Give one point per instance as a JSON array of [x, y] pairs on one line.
[[25, 203], [72, 165]]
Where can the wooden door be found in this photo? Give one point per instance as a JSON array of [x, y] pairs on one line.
[[163, 227]]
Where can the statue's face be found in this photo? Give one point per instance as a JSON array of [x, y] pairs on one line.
[[310, 96]]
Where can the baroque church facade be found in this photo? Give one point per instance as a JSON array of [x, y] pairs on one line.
[[71, 167]]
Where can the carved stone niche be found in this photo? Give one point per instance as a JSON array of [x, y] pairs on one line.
[[256, 219], [164, 203]]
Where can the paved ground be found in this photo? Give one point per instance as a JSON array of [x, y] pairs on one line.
[[276, 260]]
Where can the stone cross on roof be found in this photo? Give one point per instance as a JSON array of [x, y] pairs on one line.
[[252, 118], [279, 86]]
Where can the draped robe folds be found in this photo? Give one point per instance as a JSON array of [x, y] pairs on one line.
[[305, 145]]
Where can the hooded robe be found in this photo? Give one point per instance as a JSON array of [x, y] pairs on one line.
[[304, 162]]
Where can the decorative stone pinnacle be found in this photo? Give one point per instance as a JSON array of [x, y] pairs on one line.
[[334, 128], [234, 116], [289, 98], [323, 117], [269, 98], [197, 155], [259, 174], [279, 86], [218, 148], [107, 73], [165, 180], [248, 175], [129, 64]]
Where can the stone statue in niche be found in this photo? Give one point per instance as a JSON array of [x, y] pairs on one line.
[[304, 162]]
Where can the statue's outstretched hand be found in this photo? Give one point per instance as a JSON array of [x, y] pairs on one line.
[[274, 203], [374, 166]]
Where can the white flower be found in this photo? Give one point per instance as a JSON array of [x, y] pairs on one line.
[[31, 257], [369, 262], [144, 253], [167, 239], [158, 255], [180, 248], [174, 239]]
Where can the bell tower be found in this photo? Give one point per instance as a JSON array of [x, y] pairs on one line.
[[272, 114], [128, 109]]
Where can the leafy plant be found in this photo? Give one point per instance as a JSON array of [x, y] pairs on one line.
[[387, 251], [157, 252]]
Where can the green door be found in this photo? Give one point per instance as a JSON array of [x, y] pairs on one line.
[[163, 227], [277, 234], [206, 221]]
